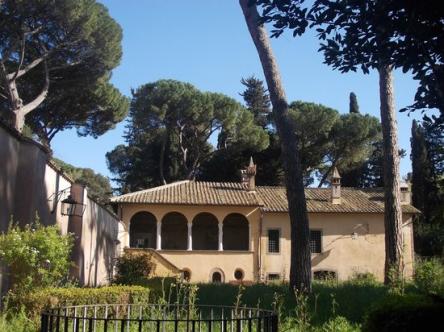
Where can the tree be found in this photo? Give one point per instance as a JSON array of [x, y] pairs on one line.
[[169, 129], [359, 34], [257, 100], [354, 107], [98, 185], [427, 176], [300, 267], [55, 66]]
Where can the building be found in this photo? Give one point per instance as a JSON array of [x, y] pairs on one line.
[[238, 231]]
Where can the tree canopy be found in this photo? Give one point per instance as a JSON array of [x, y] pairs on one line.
[[56, 61], [170, 127], [99, 187]]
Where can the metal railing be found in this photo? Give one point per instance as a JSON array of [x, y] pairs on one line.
[[159, 318]]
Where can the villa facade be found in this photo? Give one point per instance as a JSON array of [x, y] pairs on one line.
[[224, 232]]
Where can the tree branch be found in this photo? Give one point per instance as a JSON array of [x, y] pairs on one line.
[[41, 97]]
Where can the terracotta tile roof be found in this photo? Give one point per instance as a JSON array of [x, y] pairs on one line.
[[270, 199], [194, 193], [318, 200]]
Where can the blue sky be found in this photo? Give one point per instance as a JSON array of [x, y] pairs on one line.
[[206, 43]]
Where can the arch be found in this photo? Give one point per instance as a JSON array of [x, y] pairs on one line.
[[205, 232], [142, 230], [186, 273], [236, 232], [217, 276], [174, 231]]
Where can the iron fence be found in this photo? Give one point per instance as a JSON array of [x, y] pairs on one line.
[[159, 318]]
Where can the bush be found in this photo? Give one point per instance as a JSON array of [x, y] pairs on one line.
[[338, 324], [36, 256], [34, 302], [404, 313], [363, 278], [133, 268], [429, 276]]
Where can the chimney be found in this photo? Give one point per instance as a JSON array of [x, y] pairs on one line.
[[335, 187], [405, 193], [248, 176]]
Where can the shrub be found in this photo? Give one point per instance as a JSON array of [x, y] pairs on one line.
[[36, 256], [34, 302], [363, 278], [133, 268], [338, 324], [404, 313], [429, 276]]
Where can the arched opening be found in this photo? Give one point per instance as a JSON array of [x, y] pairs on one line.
[[142, 230], [174, 231], [235, 232], [205, 232], [239, 274], [186, 274], [217, 276]]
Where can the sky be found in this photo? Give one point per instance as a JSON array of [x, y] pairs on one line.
[[206, 43]]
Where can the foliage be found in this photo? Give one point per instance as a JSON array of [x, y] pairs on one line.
[[36, 256], [37, 300], [257, 100], [427, 179], [60, 58], [99, 187], [17, 321], [169, 129], [404, 313], [429, 276], [133, 268], [354, 107]]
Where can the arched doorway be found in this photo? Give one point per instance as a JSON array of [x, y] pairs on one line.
[[205, 232], [174, 231], [236, 232], [142, 230]]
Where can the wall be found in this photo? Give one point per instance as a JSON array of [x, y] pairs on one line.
[[31, 185], [202, 262], [340, 253]]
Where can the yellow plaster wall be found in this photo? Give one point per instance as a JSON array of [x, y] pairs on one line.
[[340, 253]]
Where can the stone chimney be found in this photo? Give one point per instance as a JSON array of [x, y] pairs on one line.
[[335, 187], [248, 176], [405, 193]]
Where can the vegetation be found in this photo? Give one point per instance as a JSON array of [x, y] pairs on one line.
[[36, 256], [55, 66], [168, 133], [99, 187], [427, 180], [133, 268]]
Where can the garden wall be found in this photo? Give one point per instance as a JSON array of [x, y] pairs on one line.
[[31, 185]]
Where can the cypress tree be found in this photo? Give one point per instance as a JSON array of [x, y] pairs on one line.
[[354, 107]]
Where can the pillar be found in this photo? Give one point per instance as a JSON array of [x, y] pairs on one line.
[[159, 236], [221, 235], [190, 236]]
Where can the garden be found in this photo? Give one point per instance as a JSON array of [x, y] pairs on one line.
[[38, 262]]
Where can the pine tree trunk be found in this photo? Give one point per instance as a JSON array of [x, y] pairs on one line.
[[393, 213], [300, 266]]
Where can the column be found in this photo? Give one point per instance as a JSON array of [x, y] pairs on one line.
[[159, 236], [190, 236], [221, 235]]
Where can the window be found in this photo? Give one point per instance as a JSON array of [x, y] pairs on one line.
[[238, 274], [186, 274], [217, 277], [273, 276], [315, 242], [324, 275], [273, 241]]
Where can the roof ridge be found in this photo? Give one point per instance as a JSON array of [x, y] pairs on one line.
[[164, 186]]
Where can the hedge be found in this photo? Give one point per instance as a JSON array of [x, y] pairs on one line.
[[35, 302], [404, 313]]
